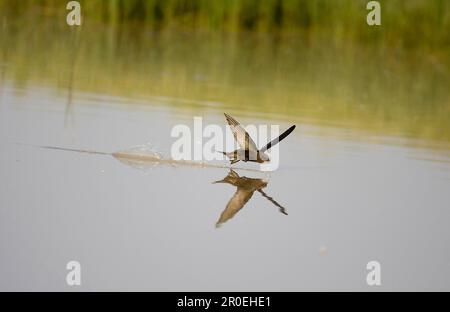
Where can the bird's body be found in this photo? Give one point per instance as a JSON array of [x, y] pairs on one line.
[[241, 154], [249, 151]]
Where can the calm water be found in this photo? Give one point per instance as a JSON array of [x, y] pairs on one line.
[[365, 176]]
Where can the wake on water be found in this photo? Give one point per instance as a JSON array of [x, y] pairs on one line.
[[146, 156]]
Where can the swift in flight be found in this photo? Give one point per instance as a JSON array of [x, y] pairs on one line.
[[249, 151]]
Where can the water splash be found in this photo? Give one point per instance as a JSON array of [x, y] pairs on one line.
[[142, 156]]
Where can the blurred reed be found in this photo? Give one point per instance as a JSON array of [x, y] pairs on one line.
[[406, 22], [314, 61]]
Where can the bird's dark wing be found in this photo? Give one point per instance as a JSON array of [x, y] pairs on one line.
[[241, 136], [239, 199], [282, 209], [277, 140]]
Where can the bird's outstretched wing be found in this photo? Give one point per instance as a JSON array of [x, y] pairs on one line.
[[241, 136], [277, 140], [239, 199], [273, 201]]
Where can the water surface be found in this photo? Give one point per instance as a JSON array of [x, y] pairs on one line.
[[365, 176]]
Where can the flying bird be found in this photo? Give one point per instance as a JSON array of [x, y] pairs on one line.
[[245, 189], [249, 151]]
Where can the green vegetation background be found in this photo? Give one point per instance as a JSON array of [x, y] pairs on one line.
[[314, 60], [412, 22]]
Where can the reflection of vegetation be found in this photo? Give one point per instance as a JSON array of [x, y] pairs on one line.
[[329, 72], [406, 21]]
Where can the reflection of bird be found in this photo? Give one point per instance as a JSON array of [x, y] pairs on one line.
[[249, 151], [245, 189]]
